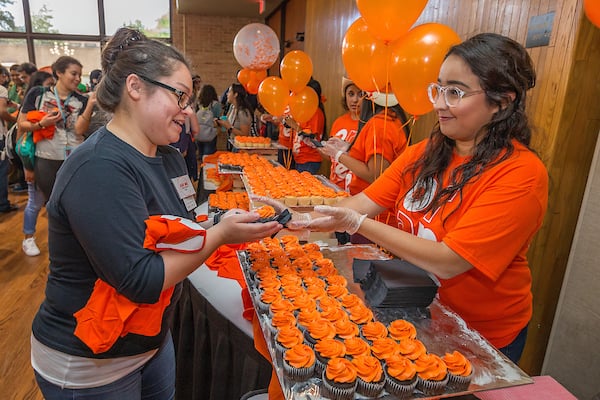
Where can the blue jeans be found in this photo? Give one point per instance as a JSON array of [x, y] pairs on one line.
[[514, 350], [4, 203], [312, 167], [35, 202], [153, 381], [206, 148]]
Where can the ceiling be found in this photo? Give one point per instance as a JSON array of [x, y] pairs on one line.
[[229, 8]]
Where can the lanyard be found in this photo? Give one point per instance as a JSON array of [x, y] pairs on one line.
[[60, 107]]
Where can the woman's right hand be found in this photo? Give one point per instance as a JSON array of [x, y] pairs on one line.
[[239, 226], [333, 145], [299, 220]]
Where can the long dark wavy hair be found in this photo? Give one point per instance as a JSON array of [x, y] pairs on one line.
[[504, 68]]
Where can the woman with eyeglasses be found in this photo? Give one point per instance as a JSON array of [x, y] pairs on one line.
[[122, 235], [468, 200]]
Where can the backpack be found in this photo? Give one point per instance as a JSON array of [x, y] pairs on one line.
[[10, 141], [208, 131]]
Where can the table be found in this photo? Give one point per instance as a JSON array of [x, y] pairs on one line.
[[216, 358]]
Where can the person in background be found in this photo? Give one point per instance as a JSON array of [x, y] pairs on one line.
[[65, 109], [16, 88], [35, 197], [197, 86], [378, 143], [22, 73], [111, 198], [25, 70], [5, 118], [95, 77], [305, 153], [345, 127], [470, 199], [208, 99], [239, 116]]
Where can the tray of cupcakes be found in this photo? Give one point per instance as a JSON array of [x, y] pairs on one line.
[[327, 342]]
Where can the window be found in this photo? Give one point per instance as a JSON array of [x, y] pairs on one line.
[[74, 27], [152, 17]]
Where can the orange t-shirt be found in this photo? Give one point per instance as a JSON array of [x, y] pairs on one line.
[[301, 151], [344, 128], [380, 135], [491, 227]]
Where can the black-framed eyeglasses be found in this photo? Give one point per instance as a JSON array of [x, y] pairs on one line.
[[452, 94], [183, 99]]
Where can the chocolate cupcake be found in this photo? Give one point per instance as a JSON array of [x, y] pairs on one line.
[[460, 371], [432, 374], [400, 376], [339, 379], [327, 349], [371, 379], [299, 363]]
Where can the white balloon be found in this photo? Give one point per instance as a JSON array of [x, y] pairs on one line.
[[256, 46]]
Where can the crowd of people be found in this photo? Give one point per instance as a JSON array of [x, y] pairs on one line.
[[116, 159]]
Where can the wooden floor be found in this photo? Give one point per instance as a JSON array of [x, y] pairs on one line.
[[22, 284]]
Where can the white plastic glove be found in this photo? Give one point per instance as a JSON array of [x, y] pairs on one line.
[[339, 219], [299, 220], [333, 145]]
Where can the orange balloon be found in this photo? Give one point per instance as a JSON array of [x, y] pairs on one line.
[[416, 62], [592, 10], [296, 69], [274, 94], [252, 87], [366, 59], [243, 76], [303, 104], [258, 75], [388, 20]]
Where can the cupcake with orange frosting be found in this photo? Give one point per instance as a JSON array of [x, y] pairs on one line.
[[286, 338], [319, 329], [282, 319], [432, 374], [327, 349], [356, 347], [412, 348], [460, 371], [360, 314], [400, 376], [371, 378], [401, 329], [384, 348], [299, 362], [346, 329], [267, 297], [373, 330], [339, 379]]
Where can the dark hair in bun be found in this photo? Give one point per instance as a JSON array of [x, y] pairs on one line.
[[131, 52]]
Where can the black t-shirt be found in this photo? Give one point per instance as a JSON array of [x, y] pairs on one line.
[[104, 192]]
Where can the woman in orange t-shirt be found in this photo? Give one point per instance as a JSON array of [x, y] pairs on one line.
[[468, 200], [345, 128]]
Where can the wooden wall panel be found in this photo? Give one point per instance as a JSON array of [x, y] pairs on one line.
[[566, 127]]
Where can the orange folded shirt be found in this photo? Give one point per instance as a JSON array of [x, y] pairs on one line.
[[109, 315], [46, 132]]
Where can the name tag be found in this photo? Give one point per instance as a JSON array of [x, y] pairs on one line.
[[185, 191]]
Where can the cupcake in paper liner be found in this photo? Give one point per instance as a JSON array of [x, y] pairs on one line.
[[373, 330], [299, 363], [400, 376], [286, 338], [460, 371], [432, 374], [282, 319], [327, 349], [339, 379], [401, 329], [319, 329], [267, 297], [371, 379]]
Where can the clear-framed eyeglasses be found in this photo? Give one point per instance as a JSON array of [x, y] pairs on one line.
[[452, 94], [183, 99]]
